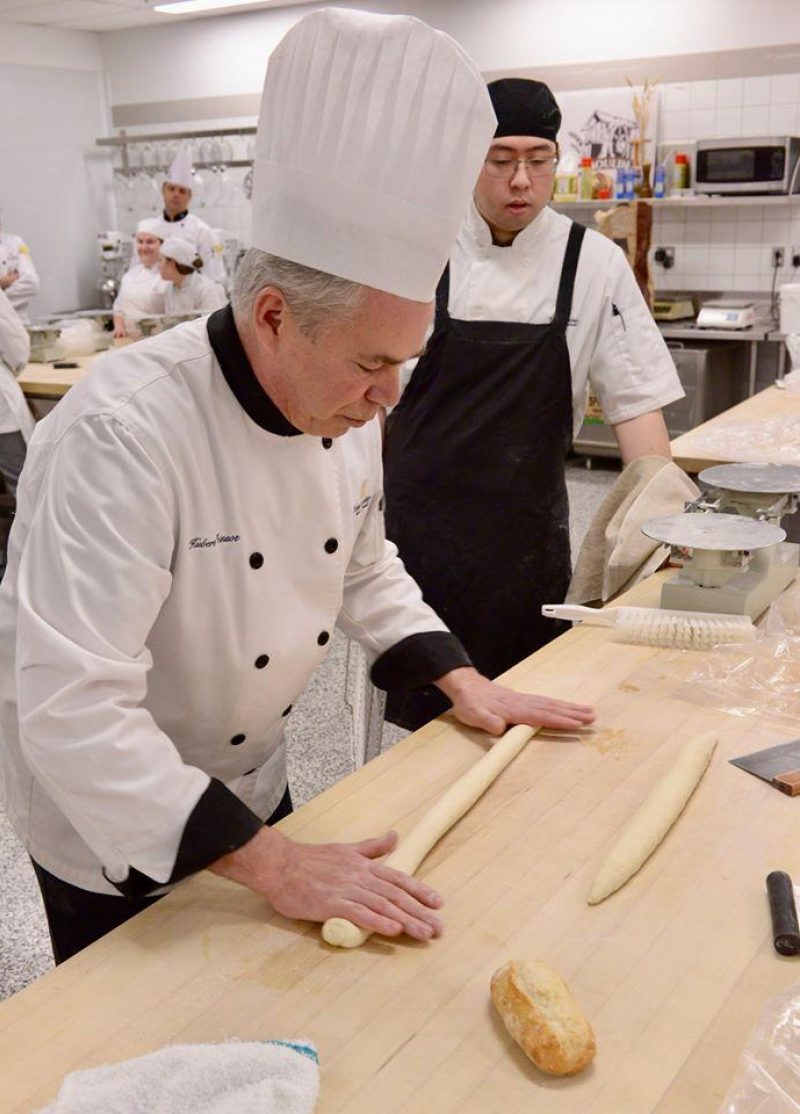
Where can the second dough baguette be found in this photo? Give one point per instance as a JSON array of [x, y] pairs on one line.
[[540, 1013]]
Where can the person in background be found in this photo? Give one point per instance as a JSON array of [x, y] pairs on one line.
[[18, 277], [142, 290], [531, 311], [202, 509], [16, 421], [187, 290], [178, 221]]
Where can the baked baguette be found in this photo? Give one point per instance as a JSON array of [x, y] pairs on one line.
[[540, 1013]]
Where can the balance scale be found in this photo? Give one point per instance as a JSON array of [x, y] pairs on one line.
[[738, 560], [726, 315]]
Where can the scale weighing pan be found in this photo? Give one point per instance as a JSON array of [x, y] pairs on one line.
[[713, 531], [767, 479]]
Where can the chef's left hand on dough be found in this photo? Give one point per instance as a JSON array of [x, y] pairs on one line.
[[479, 702]]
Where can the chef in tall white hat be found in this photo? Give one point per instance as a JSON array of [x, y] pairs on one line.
[[188, 291], [142, 289], [205, 506], [176, 220]]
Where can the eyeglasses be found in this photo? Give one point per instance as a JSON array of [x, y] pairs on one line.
[[536, 167]]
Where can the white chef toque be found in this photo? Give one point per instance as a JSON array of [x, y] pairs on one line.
[[180, 173], [371, 136], [180, 250], [153, 226]]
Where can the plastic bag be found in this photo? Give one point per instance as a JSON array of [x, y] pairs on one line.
[[768, 1077]]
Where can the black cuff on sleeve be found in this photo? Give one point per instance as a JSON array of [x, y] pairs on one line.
[[418, 660], [219, 823]]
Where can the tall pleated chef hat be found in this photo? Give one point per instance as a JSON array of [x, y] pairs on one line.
[[180, 250], [180, 173], [153, 226], [371, 136]]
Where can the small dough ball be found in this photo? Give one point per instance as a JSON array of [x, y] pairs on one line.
[[540, 1013]]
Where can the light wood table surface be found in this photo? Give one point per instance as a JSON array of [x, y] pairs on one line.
[[46, 381], [672, 971], [692, 455]]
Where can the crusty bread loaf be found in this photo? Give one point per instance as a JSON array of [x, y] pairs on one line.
[[540, 1013]]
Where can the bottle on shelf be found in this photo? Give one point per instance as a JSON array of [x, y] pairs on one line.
[[566, 180], [660, 180], [680, 179], [586, 179]]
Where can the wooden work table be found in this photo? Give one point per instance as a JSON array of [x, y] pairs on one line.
[[672, 971], [690, 452], [48, 382]]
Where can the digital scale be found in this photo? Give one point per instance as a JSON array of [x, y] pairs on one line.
[[736, 559], [673, 309], [726, 314]]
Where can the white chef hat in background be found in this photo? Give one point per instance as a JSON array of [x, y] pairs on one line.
[[180, 173], [371, 135], [153, 226], [182, 251]]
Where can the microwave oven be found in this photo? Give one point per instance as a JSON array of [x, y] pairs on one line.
[[748, 166]]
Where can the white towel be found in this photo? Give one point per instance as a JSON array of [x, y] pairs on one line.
[[237, 1077]]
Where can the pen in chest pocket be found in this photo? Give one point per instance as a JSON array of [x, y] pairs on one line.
[[616, 312]]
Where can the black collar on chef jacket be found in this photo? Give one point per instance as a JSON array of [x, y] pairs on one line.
[[175, 219], [240, 377]]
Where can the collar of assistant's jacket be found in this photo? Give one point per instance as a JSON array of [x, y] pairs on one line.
[[240, 377], [177, 217]]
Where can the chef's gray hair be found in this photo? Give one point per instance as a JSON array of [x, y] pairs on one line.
[[313, 296]]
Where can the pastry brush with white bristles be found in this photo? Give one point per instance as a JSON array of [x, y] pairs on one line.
[[653, 626]]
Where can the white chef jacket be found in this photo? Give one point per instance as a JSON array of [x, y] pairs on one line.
[[204, 238], [141, 292], [15, 349], [620, 355], [179, 557], [15, 256], [196, 294]]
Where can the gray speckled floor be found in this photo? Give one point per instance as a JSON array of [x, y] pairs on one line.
[[319, 755]]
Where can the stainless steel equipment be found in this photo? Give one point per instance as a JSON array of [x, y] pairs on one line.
[[748, 166], [114, 249]]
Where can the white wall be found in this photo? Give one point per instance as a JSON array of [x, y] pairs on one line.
[[227, 54], [55, 184]]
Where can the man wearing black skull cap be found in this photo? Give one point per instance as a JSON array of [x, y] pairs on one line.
[[532, 312]]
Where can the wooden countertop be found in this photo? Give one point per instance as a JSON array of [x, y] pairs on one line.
[[673, 970], [692, 455], [46, 381]]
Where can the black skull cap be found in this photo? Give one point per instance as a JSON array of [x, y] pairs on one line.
[[524, 107]]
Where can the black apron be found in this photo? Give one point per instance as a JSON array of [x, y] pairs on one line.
[[476, 497]]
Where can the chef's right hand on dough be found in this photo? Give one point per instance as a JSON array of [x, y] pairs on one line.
[[314, 882]]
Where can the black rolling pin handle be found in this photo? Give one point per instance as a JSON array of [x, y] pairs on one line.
[[785, 929]]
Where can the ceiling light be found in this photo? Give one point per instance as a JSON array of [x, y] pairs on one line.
[[188, 7]]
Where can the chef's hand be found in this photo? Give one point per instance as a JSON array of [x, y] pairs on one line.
[[479, 702], [8, 279], [313, 882]]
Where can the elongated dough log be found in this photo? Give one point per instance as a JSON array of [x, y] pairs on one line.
[[653, 819], [449, 809]]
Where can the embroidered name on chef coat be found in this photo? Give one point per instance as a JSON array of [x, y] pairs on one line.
[[210, 543], [364, 500]]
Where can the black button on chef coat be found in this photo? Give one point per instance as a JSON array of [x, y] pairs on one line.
[[256, 560], [323, 637], [327, 442], [237, 740], [331, 545], [286, 711], [262, 661]]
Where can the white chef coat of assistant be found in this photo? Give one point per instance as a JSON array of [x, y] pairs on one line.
[[15, 349], [196, 294], [621, 356], [204, 238], [15, 256], [141, 292], [193, 595]]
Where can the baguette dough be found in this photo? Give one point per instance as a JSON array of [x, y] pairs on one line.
[[653, 819], [447, 811], [540, 1013]]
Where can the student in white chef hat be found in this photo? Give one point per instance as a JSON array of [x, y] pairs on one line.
[[176, 220], [205, 506], [187, 290]]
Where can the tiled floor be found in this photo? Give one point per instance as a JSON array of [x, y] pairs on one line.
[[319, 755]]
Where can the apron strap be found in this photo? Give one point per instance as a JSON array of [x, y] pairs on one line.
[[568, 272], [443, 295]]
